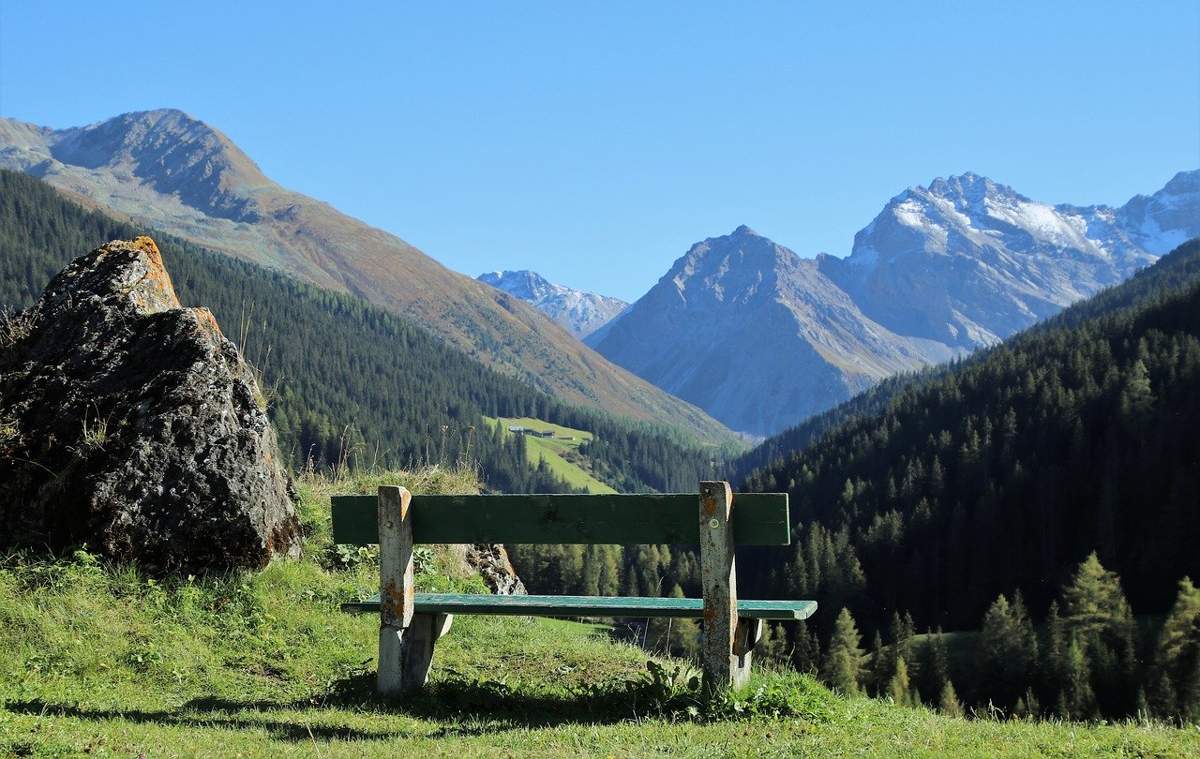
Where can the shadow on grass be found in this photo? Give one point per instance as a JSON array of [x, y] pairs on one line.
[[466, 708]]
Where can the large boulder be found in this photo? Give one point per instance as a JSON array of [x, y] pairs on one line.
[[131, 424]]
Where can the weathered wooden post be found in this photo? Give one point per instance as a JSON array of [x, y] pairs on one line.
[[406, 639], [396, 589], [718, 575]]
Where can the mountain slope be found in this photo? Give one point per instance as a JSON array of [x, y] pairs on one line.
[[756, 335], [580, 313], [177, 174], [379, 389], [762, 339], [1005, 471]]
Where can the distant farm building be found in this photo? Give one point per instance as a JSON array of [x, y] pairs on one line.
[[519, 430]]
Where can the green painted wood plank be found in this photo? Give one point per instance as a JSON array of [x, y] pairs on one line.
[[587, 606], [758, 519]]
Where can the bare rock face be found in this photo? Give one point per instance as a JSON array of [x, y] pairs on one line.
[[130, 423], [492, 564]]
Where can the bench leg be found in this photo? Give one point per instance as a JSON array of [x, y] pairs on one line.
[[718, 576], [405, 655], [748, 634]]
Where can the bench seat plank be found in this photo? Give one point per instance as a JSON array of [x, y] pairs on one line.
[[760, 519], [587, 606]]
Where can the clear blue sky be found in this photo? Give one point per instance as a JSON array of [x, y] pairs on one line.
[[595, 142]]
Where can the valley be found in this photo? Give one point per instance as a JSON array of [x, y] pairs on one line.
[[740, 379]]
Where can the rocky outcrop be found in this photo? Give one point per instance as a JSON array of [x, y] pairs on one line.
[[135, 427], [492, 564]]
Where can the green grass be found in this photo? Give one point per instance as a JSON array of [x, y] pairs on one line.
[[102, 661], [560, 455]]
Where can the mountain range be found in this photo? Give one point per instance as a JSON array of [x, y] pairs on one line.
[[741, 333], [762, 338], [579, 312], [167, 170]]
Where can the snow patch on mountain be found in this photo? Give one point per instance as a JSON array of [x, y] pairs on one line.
[[579, 312]]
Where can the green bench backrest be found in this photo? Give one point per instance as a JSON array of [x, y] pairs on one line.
[[758, 519]]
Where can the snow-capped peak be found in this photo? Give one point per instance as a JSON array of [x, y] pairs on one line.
[[579, 312]]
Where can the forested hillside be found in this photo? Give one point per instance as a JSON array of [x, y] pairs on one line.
[[1014, 442], [1003, 473], [347, 380]]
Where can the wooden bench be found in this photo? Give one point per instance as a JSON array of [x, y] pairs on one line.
[[411, 623]]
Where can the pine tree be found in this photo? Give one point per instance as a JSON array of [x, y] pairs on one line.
[[1094, 603], [774, 644], [1008, 650], [1099, 619], [898, 688], [902, 635], [806, 653], [843, 660], [948, 701], [1027, 705], [1052, 662], [1176, 656], [881, 668], [1077, 700], [939, 663]]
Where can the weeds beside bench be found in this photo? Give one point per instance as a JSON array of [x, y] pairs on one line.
[[411, 623]]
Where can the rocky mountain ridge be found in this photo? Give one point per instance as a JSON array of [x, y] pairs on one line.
[[579, 312], [762, 338]]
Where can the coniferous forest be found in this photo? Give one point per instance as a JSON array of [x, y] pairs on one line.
[[348, 383], [1046, 491]]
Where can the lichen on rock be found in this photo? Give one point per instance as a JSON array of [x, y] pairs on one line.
[[136, 426]]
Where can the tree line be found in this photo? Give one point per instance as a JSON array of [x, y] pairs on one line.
[[1089, 658]]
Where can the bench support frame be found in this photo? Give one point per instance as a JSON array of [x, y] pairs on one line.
[[407, 639]]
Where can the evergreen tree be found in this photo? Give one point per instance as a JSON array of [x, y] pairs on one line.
[[1077, 700], [1007, 652], [843, 659], [935, 671], [774, 644], [806, 653], [881, 667], [1099, 619], [1177, 656], [902, 629], [898, 688], [948, 701]]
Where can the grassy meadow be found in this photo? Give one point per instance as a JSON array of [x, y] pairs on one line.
[[97, 660], [560, 454]]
